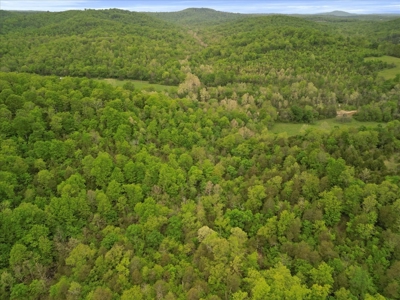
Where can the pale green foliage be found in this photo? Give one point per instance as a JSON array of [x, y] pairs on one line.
[[256, 195]]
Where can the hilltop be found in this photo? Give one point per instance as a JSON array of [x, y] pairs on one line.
[[337, 13], [194, 17], [94, 43]]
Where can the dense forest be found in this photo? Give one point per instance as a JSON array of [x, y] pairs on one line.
[[115, 192], [303, 67]]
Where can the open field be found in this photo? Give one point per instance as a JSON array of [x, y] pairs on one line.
[[388, 73], [327, 124], [140, 85]]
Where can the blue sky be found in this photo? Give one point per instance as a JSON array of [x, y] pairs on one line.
[[242, 6]]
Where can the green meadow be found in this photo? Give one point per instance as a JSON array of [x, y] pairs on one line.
[[328, 124], [388, 73]]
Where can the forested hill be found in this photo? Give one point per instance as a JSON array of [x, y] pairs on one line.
[[94, 43], [287, 60], [78, 22], [293, 63], [258, 22], [195, 17], [373, 27], [191, 17], [304, 68], [388, 34]]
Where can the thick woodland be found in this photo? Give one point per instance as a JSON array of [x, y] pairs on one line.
[[119, 193]]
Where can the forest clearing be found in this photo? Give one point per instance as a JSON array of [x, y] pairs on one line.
[[390, 72], [325, 125]]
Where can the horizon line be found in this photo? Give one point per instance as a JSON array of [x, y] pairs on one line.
[[254, 13]]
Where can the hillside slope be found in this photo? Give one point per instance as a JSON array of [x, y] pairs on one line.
[[291, 62], [305, 69], [95, 43], [197, 17]]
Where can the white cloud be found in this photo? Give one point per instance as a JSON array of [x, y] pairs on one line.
[[55, 5]]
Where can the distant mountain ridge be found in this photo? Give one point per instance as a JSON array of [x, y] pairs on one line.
[[338, 13]]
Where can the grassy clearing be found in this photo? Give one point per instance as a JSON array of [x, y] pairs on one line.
[[140, 85], [388, 73], [327, 124]]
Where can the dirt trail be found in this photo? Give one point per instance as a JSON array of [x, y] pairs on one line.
[[345, 112], [194, 34]]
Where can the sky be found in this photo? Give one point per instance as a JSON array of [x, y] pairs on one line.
[[238, 6]]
